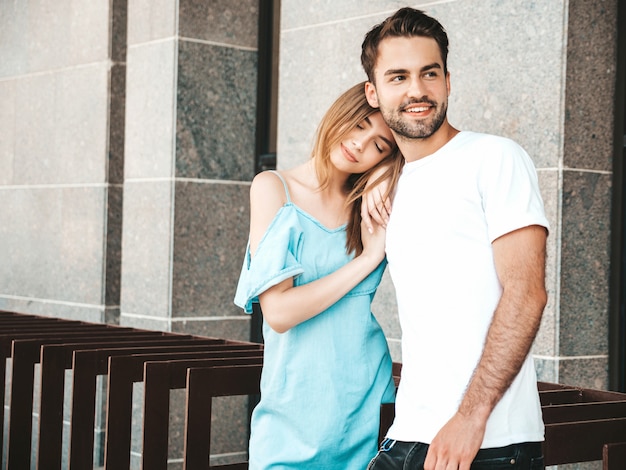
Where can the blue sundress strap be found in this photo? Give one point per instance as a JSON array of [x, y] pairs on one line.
[[284, 184]]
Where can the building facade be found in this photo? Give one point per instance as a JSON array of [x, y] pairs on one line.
[[130, 131]]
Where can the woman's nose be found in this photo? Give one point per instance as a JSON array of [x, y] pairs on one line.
[[357, 144]]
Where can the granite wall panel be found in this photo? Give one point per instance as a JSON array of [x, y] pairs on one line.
[[586, 372], [210, 235], [52, 247], [150, 110], [591, 67], [61, 126], [147, 250], [220, 21], [216, 112], [585, 258]]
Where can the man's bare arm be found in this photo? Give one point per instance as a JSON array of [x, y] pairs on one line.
[[520, 263]]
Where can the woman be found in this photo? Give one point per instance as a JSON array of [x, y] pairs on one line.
[[315, 270]]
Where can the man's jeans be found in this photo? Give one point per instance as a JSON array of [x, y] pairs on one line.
[[395, 455]]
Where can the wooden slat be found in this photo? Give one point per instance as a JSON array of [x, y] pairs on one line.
[[55, 359], [614, 456], [581, 441], [203, 384], [159, 379], [123, 372], [87, 365]]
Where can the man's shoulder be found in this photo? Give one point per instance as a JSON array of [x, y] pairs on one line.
[[484, 138], [489, 146]]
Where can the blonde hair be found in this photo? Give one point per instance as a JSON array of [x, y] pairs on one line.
[[349, 110]]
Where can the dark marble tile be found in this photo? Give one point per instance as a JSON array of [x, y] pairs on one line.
[[585, 262], [221, 21], [216, 112], [585, 372], [588, 124], [210, 236], [117, 124], [119, 29], [113, 251], [237, 329]]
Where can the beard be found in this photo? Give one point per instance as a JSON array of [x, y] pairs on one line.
[[420, 129]]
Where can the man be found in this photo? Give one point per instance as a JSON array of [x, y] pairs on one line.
[[466, 249]]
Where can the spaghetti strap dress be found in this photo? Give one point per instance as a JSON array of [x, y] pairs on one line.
[[323, 381]]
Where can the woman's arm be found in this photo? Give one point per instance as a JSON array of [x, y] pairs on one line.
[[285, 306]]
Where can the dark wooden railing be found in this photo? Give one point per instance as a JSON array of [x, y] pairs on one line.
[[581, 424]]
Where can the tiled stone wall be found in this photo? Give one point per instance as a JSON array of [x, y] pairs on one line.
[[61, 89], [62, 95], [190, 143], [129, 126], [127, 147]]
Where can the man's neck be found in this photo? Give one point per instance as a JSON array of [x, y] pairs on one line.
[[415, 149]]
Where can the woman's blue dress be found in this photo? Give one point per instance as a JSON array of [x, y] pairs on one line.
[[324, 380]]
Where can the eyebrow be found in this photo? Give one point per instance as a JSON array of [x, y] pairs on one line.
[[434, 65], [387, 141]]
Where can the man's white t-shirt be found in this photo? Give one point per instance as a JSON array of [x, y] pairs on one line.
[[448, 209]]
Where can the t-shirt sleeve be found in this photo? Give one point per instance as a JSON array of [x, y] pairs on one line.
[[276, 259], [510, 191]]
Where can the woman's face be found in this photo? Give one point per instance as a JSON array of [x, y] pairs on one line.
[[364, 146]]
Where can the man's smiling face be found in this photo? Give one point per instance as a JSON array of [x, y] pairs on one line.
[[411, 87]]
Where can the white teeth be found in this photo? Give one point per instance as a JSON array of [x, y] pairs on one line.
[[417, 110]]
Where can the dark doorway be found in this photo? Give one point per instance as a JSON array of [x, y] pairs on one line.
[[267, 103], [617, 323]]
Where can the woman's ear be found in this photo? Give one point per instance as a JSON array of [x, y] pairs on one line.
[[370, 94]]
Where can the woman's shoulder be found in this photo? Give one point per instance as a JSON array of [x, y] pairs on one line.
[[269, 187]]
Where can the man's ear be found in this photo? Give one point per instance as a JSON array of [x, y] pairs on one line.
[[370, 94]]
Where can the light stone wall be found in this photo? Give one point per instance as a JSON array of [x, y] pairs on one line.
[[127, 148]]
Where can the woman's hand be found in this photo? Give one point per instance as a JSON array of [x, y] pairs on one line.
[[373, 242], [374, 204]]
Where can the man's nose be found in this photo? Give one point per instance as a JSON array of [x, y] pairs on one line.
[[415, 88]]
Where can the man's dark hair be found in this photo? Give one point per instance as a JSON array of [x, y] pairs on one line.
[[406, 22]]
